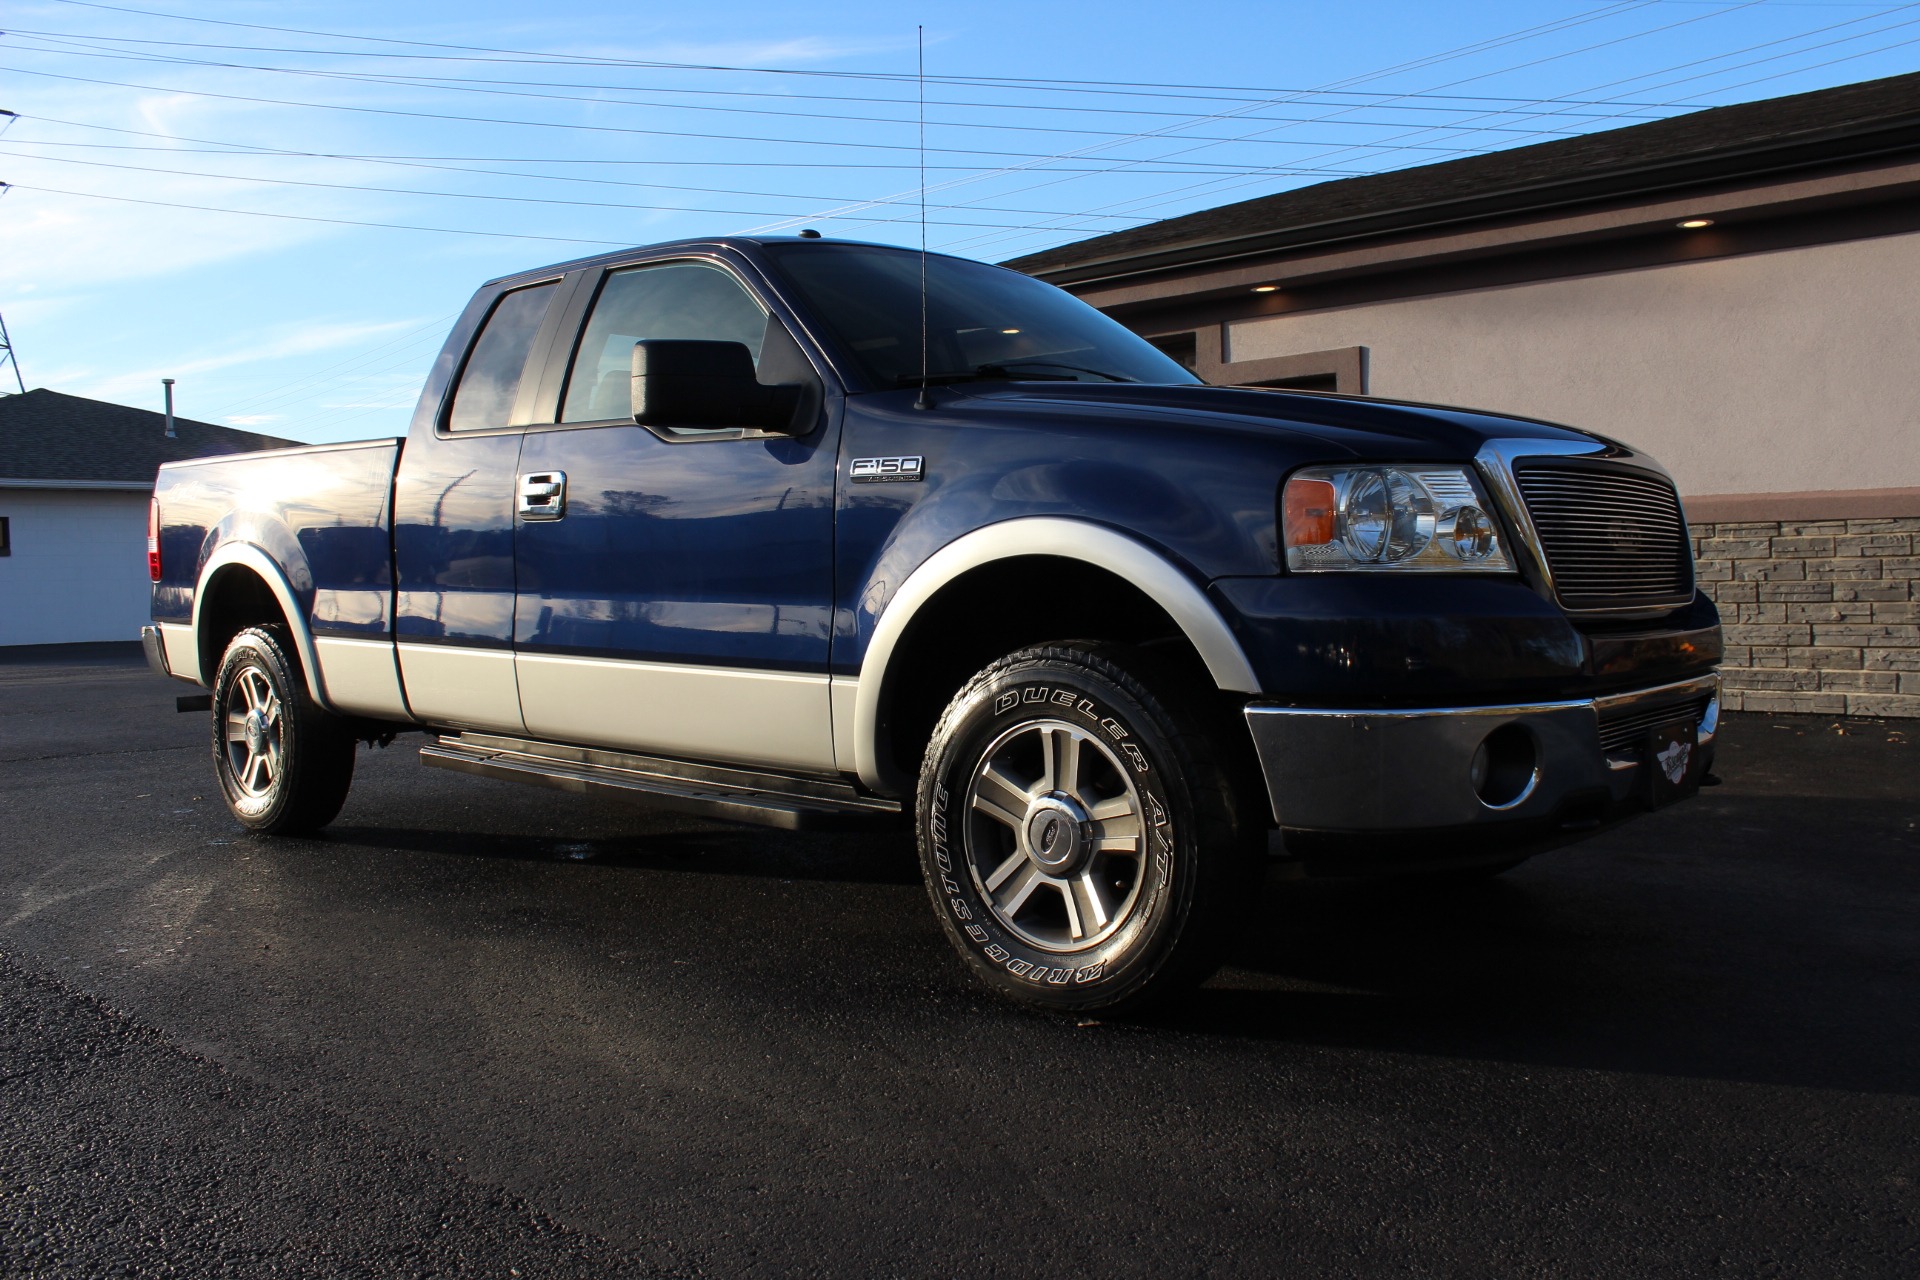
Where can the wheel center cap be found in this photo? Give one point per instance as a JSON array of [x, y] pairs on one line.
[[256, 732], [1055, 835]]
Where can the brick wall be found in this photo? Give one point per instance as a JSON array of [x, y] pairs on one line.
[[1821, 615]]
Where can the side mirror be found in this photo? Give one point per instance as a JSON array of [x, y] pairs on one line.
[[682, 383]]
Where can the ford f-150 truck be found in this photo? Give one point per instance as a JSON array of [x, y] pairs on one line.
[[809, 532]]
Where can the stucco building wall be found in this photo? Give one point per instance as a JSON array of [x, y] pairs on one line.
[[1783, 371]]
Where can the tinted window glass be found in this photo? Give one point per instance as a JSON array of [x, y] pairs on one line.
[[981, 320], [491, 381], [687, 300]]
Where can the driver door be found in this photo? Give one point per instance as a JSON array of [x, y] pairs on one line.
[[675, 596]]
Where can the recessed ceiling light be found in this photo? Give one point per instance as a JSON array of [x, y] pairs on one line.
[[1694, 224], [1266, 288]]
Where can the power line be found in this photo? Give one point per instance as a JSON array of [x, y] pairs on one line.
[[390, 226], [76, 46], [470, 195], [432, 330], [1798, 36], [559, 59], [1681, 66], [1514, 37], [1459, 52], [1219, 185], [506, 173], [262, 149], [444, 87], [302, 217], [528, 124]]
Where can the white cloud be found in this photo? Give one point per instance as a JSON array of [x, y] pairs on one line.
[[121, 385], [250, 419]]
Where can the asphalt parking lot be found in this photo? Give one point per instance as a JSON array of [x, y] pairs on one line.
[[489, 1030]]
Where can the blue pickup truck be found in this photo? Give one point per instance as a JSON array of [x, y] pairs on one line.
[[815, 533]]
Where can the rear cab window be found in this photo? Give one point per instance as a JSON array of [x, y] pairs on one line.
[[496, 370]]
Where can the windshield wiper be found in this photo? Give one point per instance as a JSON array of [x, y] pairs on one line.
[[982, 374], [1004, 365]]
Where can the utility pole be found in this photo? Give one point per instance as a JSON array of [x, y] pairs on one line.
[[7, 358]]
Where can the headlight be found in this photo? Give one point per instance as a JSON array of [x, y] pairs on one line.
[[1419, 518]]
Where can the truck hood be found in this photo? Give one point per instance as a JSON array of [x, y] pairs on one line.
[[1334, 425]]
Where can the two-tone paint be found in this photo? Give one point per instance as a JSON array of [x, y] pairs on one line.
[[739, 599]]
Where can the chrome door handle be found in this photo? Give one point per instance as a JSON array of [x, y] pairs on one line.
[[543, 495]]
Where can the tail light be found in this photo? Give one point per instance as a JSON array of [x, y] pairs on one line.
[[153, 539]]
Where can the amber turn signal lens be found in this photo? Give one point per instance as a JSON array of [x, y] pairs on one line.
[[1306, 512]]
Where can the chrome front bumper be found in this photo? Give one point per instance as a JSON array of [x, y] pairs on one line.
[[1375, 771]]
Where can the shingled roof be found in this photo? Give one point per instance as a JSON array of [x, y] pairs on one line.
[[73, 441], [1827, 126]]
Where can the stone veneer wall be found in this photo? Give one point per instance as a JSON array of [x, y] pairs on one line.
[[1821, 616]]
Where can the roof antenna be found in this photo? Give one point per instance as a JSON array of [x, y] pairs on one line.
[[925, 399]]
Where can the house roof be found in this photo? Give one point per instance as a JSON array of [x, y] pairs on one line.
[[1851, 123], [74, 442]]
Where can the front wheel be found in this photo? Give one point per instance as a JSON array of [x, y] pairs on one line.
[[1079, 830], [284, 764]]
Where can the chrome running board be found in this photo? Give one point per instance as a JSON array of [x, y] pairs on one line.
[[715, 791]]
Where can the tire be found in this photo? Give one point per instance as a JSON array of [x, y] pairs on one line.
[[1109, 886], [285, 766]]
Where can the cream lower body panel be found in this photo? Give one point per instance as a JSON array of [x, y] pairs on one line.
[[772, 719], [462, 688], [845, 692], [360, 677], [183, 652]]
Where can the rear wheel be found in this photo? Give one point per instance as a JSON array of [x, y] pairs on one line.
[[1079, 833], [285, 765]]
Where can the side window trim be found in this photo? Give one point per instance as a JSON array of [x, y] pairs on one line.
[[539, 401]]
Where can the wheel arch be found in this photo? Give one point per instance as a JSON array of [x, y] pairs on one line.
[[1101, 553], [237, 584]]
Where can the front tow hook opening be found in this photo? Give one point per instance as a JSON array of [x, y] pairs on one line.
[[1506, 767]]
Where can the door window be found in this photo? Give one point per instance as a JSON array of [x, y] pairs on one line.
[[490, 384], [685, 300]]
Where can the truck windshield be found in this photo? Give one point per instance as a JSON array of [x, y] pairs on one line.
[[982, 322]]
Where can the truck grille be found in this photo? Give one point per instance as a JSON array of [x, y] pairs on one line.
[[1613, 538], [1622, 730]]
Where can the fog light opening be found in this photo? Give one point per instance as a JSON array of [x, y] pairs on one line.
[[1505, 767]]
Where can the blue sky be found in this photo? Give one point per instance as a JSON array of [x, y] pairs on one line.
[[191, 181]]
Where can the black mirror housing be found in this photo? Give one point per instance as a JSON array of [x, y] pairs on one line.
[[682, 383]]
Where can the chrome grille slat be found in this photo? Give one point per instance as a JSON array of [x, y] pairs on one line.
[[1624, 729], [1612, 538]]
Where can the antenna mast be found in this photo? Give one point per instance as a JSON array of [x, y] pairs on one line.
[[925, 399]]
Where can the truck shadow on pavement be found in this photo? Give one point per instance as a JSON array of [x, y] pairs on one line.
[[1791, 960], [1763, 933], [716, 849]]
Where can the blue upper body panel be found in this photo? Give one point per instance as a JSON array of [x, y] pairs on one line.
[[757, 551], [319, 513]]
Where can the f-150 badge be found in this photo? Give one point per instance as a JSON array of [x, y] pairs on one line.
[[889, 470]]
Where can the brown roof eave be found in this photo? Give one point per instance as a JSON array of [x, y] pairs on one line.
[[1824, 149]]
